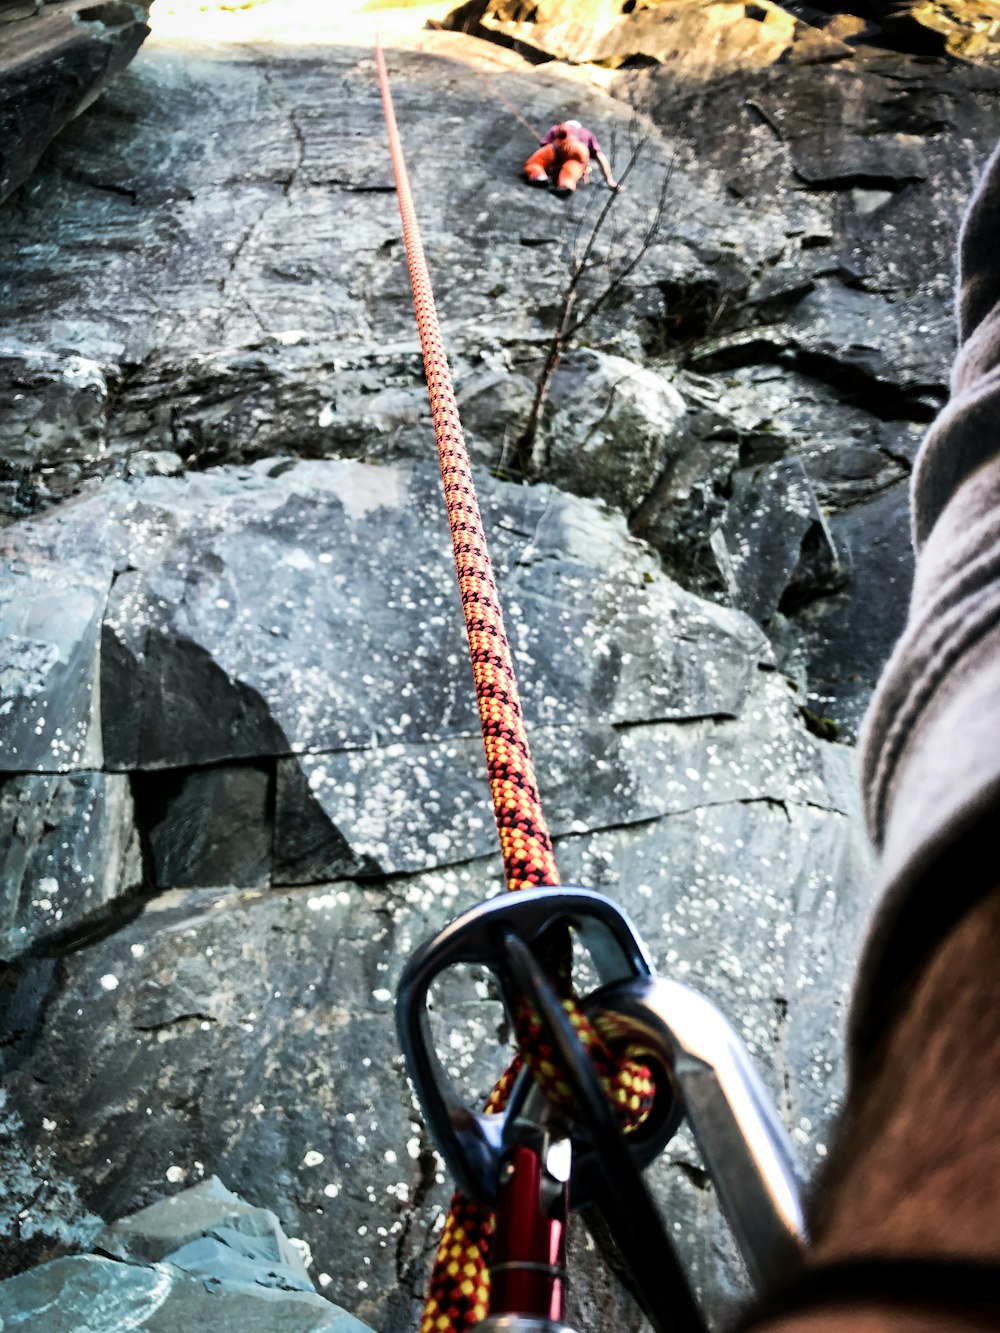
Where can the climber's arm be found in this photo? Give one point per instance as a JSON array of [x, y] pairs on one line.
[[606, 171]]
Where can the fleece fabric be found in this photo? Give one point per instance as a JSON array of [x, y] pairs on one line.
[[931, 741]]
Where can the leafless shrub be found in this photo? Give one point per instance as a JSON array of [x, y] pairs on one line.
[[576, 311]]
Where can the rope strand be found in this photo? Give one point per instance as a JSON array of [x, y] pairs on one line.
[[458, 1292], [524, 839]]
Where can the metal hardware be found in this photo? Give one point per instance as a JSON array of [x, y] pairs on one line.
[[528, 1252], [471, 1142], [704, 1073], [617, 1187], [744, 1144], [516, 1323]]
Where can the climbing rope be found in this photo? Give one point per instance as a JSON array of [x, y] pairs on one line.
[[524, 839], [458, 1293], [513, 110]]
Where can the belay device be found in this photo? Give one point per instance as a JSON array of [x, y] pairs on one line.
[[601, 1082], [704, 1075]]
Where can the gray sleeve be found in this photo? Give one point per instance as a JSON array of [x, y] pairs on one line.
[[931, 742]]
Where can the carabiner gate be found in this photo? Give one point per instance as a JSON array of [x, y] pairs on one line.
[[517, 1162]]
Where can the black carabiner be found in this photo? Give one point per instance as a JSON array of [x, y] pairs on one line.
[[472, 1142], [703, 1073], [618, 1188]]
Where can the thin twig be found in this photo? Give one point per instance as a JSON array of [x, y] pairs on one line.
[[582, 264], [629, 267]]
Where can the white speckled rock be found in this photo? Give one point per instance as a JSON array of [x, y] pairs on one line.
[[50, 624], [71, 847], [252, 1035], [210, 338], [305, 607]]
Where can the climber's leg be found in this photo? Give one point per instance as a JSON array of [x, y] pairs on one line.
[[539, 164], [574, 161]]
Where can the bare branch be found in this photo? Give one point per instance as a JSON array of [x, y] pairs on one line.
[[631, 264], [582, 264]]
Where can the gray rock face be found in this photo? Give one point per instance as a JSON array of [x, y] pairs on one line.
[[611, 426], [70, 847], [55, 58], [270, 610], [779, 264], [849, 639], [50, 620], [235, 720], [51, 1219], [306, 609], [53, 423], [215, 995], [663, 737], [774, 541], [210, 825], [232, 1266]]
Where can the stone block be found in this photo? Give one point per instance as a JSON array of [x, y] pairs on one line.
[[50, 627], [55, 60], [70, 849]]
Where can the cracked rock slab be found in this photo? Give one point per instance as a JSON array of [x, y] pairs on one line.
[[405, 808], [310, 606], [55, 59], [70, 849]]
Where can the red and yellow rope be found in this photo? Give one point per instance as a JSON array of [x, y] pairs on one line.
[[524, 838], [458, 1294]]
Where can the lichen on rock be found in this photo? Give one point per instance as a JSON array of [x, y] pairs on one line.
[[241, 765]]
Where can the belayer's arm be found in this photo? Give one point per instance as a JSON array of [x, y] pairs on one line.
[[906, 1219]]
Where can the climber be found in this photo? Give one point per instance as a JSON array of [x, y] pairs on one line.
[[565, 153]]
